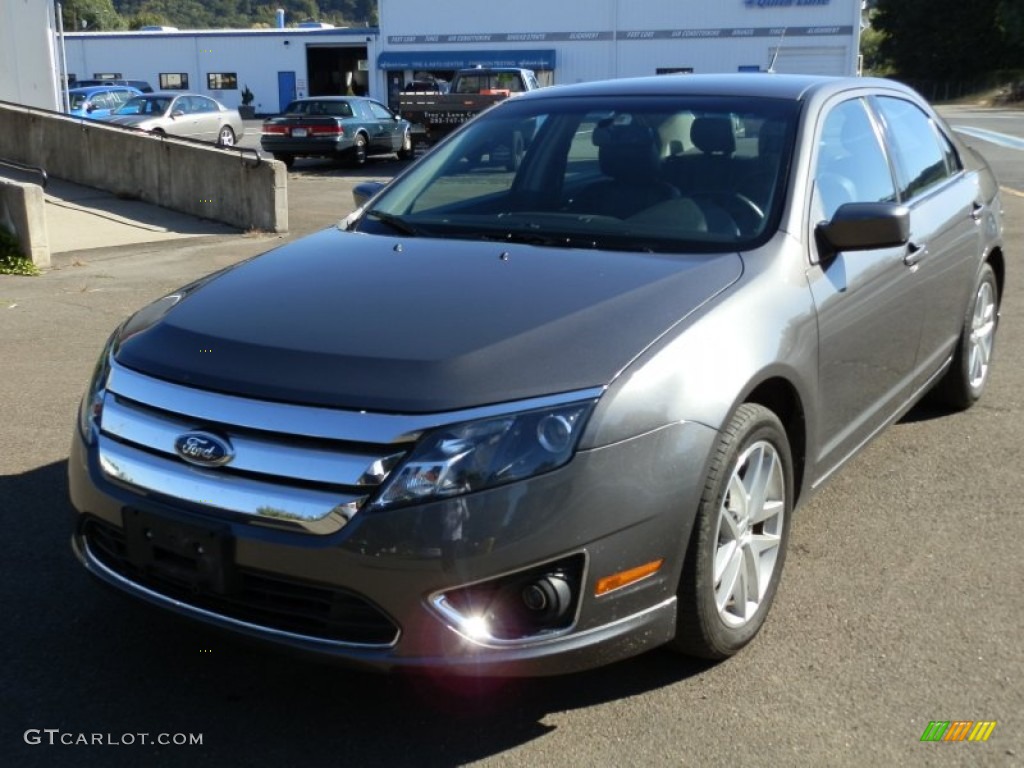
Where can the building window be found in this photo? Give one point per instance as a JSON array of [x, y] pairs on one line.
[[106, 76], [222, 81], [174, 81]]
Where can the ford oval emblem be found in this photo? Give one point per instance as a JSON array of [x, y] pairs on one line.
[[204, 449]]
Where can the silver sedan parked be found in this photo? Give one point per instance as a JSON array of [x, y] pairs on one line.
[[532, 421], [182, 114]]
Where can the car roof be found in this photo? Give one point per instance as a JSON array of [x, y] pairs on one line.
[[744, 84], [88, 90], [331, 98]]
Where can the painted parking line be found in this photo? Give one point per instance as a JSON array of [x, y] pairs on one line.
[[1011, 191], [1002, 139]]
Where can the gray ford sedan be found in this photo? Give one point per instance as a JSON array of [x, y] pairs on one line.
[[534, 421]]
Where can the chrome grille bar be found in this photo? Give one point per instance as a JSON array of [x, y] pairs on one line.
[[281, 505], [157, 431]]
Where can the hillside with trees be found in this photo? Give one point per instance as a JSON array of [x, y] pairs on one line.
[[97, 15], [947, 47]]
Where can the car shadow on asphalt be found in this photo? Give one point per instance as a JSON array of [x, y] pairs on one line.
[[85, 660], [925, 410]]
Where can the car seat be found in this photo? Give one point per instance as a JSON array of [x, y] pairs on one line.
[[629, 155]]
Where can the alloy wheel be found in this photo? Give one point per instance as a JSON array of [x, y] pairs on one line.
[[750, 526], [983, 328]]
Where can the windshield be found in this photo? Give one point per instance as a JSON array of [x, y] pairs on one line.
[[666, 174], [144, 105]]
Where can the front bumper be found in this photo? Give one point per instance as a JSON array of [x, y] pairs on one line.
[[612, 509]]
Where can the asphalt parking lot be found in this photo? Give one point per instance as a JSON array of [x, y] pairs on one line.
[[902, 600]]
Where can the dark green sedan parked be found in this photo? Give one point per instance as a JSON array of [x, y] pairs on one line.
[[349, 127]]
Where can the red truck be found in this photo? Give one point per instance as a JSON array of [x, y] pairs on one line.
[[435, 114]]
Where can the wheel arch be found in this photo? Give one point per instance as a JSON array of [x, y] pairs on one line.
[[778, 395], [997, 261]]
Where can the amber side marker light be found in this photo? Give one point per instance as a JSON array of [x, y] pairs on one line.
[[625, 578]]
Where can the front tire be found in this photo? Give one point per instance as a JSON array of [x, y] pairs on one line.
[[405, 152], [226, 137], [738, 547], [964, 382]]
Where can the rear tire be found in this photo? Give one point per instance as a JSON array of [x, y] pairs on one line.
[[964, 382], [734, 560], [357, 155]]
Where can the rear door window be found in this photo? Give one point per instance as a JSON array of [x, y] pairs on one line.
[[922, 154]]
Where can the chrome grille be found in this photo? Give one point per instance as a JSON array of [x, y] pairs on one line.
[[311, 476]]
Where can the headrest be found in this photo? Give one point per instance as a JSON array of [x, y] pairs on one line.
[[713, 135], [627, 151], [607, 133]]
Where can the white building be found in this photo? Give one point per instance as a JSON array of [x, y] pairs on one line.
[[564, 42], [277, 65], [578, 40], [29, 69]]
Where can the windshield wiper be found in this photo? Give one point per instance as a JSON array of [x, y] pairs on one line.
[[395, 221], [536, 238]]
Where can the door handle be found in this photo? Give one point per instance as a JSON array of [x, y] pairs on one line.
[[976, 211], [915, 253]]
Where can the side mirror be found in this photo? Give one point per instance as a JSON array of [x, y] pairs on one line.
[[361, 193], [865, 226], [177, 113]]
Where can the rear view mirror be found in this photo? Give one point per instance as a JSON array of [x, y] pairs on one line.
[[864, 226]]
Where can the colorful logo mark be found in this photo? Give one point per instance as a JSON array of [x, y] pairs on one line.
[[958, 730]]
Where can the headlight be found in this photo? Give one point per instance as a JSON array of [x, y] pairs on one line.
[[481, 454], [92, 404]]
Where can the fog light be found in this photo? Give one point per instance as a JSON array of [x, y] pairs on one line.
[[517, 607], [549, 597]]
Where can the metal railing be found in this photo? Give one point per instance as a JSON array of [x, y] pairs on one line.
[[24, 168]]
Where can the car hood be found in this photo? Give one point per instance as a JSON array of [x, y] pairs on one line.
[[418, 325]]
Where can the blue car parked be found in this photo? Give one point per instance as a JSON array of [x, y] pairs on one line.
[[99, 101]]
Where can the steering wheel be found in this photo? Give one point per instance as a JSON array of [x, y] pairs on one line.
[[746, 215]]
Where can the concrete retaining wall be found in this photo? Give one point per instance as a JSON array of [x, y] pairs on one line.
[[212, 183], [23, 213]]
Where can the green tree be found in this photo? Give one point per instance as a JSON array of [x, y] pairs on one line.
[[242, 14], [940, 39], [871, 51], [1010, 19], [147, 19], [90, 15]]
